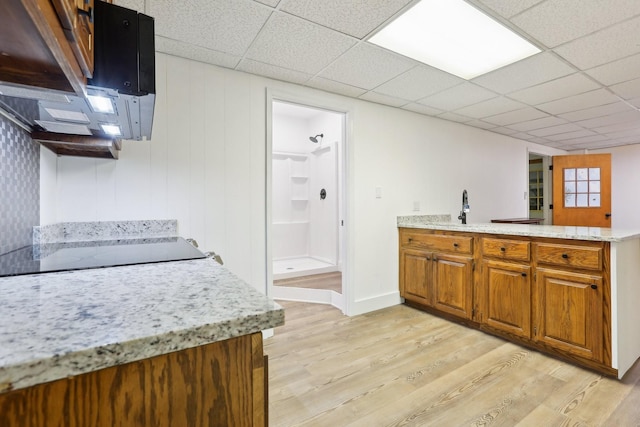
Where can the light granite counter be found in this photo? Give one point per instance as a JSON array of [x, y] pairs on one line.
[[551, 231], [57, 325]]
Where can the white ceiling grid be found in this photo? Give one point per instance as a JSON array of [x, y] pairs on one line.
[[581, 92]]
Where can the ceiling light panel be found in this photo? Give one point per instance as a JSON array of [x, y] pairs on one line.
[[455, 37]]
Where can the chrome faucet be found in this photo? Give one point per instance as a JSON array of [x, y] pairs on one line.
[[465, 207]]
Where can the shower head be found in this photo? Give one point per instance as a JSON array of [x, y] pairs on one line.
[[315, 138]]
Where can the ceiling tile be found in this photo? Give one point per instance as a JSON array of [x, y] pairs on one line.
[[453, 117], [197, 53], [223, 25], [367, 66], [602, 110], [490, 107], [554, 22], [570, 135], [587, 139], [422, 109], [383, 99], [538, 124], [555, 89], [272, 3], [620, 129], [554, 130], [604, 46], [480, 124], [627, 90], [363, 16], [579, 102], [509, 8], [516, 116], [335, 87], [458, 96], [531, 71], [418, 82], [272, 71], [617, 71], [629, 116], [137, 5], [290, 42], [537, 140], [504, 131], [635, 102]]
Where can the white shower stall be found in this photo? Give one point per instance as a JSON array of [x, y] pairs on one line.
[[306, 191]]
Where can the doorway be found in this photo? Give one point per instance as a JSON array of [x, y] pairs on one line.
[[306, 203], [540, 188]]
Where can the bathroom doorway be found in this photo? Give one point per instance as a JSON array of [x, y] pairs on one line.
[[306, 203]]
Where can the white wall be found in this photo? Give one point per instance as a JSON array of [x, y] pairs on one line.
[[206, 168]]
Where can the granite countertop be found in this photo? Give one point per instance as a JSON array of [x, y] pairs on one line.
[[57, 325], [532, 230]]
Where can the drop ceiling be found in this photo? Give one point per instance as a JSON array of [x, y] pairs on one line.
[[581, 92]]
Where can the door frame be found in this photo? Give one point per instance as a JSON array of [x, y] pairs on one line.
[[547, 185], [345, 235]]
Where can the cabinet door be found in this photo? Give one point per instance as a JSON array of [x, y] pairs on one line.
[[453, 284], [569, 312], [76, 18], [415, 271], [508, 297]]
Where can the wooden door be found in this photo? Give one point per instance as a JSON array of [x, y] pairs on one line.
[[568, 311], [453, 284], [508, 297], [415, 275], [582, 190]]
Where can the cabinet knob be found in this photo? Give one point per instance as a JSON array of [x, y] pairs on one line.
[[594, 286], [565, 256], [524, 274], [503, 249], [455, 245], [410, 240]]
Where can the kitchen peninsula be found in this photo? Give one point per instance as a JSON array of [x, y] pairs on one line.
[[572, 292], [168, 343]]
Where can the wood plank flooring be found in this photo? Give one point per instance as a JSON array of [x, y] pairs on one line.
[[329, 281], [403, 367]]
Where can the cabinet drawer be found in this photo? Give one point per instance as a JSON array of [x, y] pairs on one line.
[[587, 257], [506, 249], [437, 242]]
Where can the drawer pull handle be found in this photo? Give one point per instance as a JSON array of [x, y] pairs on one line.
[[455, 245], [503, 249], [594, 286], [565, 256]]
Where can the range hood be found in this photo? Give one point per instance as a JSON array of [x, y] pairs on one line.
[[118, 101]]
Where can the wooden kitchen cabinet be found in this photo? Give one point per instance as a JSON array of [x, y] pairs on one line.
[[506, 286], [35, 48], [507, 304], [550, 294], [453, 284], [218, 384], [437, 271], [568, 314], [76, 18], [415, 273]]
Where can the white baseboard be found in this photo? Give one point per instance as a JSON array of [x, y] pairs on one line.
[[317, 296], [378, 302]]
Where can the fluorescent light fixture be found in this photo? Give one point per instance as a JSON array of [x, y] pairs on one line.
[[111, 129], [101, 104], [455, 37]]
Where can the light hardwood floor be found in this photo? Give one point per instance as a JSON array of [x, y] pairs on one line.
[[329, 281], [403, 367]]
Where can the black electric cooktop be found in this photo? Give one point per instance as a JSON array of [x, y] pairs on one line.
[[51, 257]]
